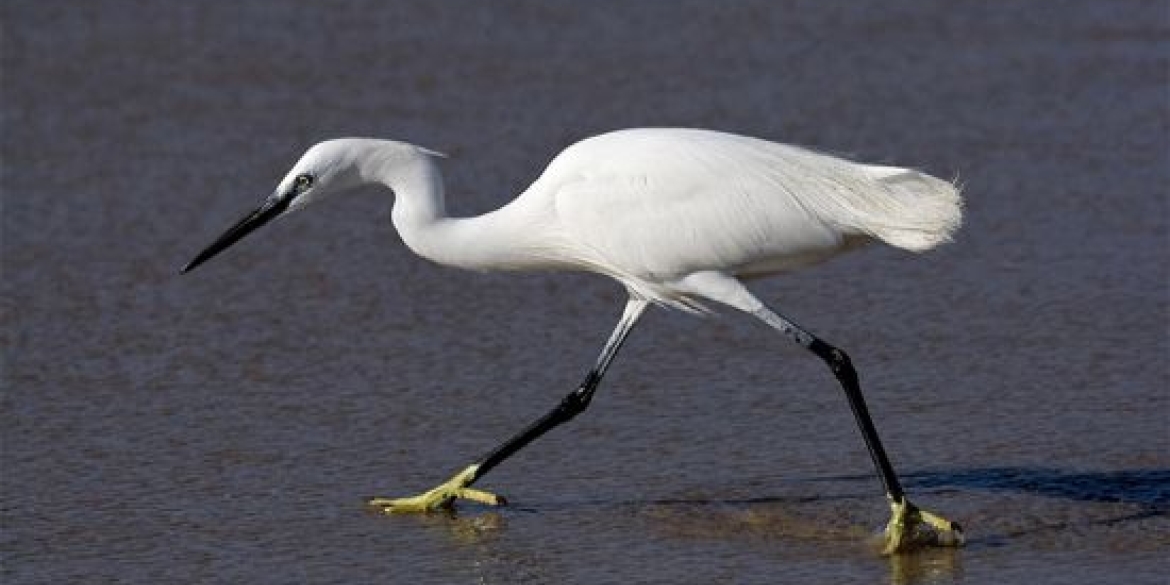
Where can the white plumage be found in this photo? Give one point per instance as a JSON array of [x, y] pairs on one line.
[[678, 216], [652, 206], [655, 205]]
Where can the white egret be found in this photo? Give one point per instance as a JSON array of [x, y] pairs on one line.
[[677, 216]]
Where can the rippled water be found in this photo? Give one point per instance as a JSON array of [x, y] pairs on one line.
[[225, 426]]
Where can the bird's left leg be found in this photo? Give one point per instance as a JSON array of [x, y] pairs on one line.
[[459, 486]]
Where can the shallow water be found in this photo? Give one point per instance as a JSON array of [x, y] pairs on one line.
[[225, 426]]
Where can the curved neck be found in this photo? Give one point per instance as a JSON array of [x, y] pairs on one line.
[[417, 185], [490, 241]]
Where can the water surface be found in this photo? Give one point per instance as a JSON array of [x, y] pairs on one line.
[[225, 426]]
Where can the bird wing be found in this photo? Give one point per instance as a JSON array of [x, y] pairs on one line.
[[661, 203]]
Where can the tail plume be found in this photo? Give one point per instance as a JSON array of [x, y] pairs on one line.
[[902, 207], [910, 210]]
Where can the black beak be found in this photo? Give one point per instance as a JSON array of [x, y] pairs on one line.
[[271, 208]]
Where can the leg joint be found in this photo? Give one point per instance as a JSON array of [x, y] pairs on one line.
[[837, 360], [841, 364], [578, 400]]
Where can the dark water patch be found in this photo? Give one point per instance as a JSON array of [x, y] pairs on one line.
[[1146, 487]]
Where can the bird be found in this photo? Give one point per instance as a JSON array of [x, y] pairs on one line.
[[680, 217]]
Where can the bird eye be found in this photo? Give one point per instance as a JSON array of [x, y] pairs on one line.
[[302, 182]]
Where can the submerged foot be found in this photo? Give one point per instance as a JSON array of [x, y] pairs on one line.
[[441, 497], [911, 527]]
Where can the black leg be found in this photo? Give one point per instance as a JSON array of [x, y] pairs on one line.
[[572, 405], [459, 486], [909, 526], [575, 402], [906, 522], [842, 368]]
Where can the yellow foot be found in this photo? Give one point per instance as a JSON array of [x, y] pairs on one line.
[[441, 497], [911, 527]]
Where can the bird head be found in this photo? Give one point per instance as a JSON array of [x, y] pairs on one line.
[[327, 168]]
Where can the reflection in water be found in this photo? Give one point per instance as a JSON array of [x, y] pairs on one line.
[[1006, 505], [475, 530], [808, 528], [478, 534], [462, 529], [925, 566]]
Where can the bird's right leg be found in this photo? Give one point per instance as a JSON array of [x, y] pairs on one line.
[[909, 526], [459, 486]]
